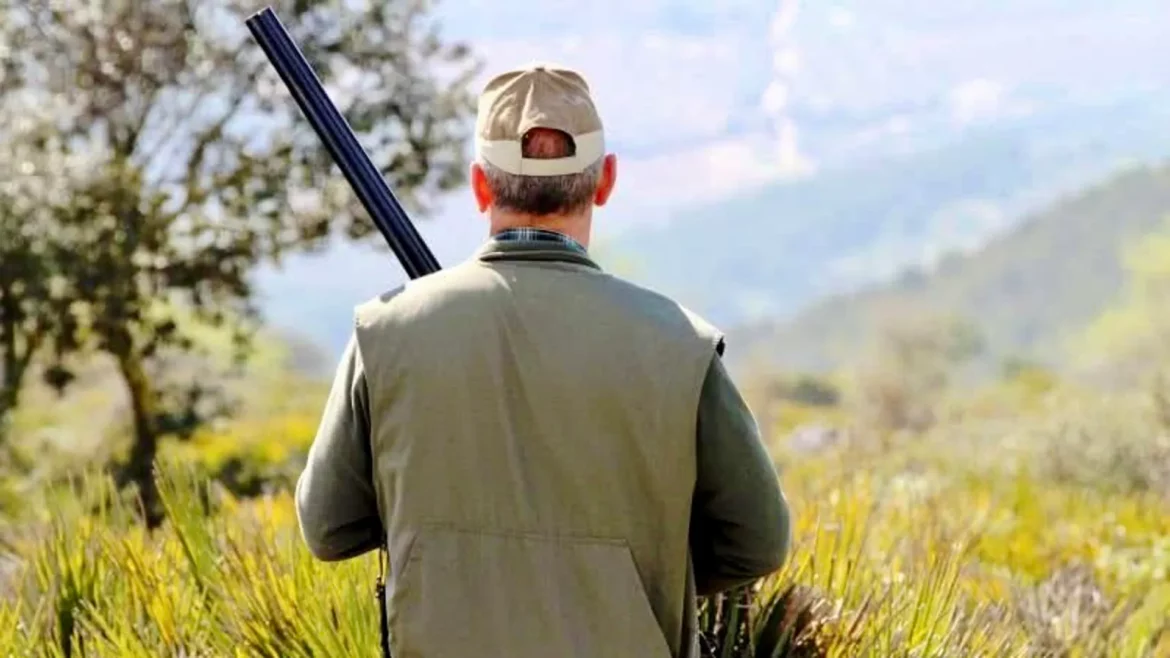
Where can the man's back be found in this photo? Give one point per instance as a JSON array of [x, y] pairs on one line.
[[556, 460], [533, 426]]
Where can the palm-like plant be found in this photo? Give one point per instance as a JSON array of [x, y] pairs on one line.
[[724, 624], [784, 623]]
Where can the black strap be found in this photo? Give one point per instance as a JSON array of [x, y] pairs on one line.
[[380, 592]]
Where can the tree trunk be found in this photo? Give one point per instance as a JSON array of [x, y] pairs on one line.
[[14, 362], [8, 400], [9, 379], [139, 467]]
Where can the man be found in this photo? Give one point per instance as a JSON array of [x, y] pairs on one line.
[[556, 458]]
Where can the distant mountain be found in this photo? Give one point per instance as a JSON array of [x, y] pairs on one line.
[[1051, 274], [768, 253]]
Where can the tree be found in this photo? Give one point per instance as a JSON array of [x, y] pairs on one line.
[[31, 304], [199, 165]]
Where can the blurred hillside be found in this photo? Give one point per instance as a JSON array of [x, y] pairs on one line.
[[770, 252], [1027, 291]]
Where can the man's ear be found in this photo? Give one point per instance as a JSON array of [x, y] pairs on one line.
[[608, 180], [480, 188]]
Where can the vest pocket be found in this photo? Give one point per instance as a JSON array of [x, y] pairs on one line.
[[488, 594]]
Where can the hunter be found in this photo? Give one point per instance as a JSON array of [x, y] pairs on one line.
[[556, 460]]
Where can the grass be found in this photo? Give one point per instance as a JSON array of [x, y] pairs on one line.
[[961, 541], [223, 579]]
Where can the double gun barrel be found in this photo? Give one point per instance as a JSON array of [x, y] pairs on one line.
[[334, 131]]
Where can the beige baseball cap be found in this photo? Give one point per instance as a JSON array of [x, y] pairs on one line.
[[537, 96]]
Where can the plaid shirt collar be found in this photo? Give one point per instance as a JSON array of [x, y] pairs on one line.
[[530, 234]]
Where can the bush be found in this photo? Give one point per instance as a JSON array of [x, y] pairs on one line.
[[1120, 445]]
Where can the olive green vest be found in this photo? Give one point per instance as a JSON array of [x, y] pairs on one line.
[[533, 436]]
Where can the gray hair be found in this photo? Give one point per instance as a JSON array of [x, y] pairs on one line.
[[543, 195]]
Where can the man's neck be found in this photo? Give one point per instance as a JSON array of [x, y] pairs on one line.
[[574, 226]]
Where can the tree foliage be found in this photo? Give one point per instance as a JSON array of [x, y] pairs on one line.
[[164, 160], [32, 257]]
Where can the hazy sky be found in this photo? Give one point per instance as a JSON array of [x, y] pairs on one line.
[[703, 98]]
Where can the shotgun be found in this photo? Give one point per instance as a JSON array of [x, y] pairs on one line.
[[365, 179]]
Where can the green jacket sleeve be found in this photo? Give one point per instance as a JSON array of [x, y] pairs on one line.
[[740, 528], [335, 499]]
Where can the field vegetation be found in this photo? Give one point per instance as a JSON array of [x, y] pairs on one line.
[[948, 500], [1027, 515]]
